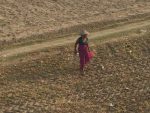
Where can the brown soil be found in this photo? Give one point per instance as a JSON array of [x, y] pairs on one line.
[[116, 80], [21, 19], [67, 40], [48, 80]]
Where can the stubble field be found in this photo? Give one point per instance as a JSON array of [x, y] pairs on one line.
[[38, 78], [116, 80], [29, 18]]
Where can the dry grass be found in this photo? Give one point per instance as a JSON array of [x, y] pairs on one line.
[[32, 17], [116, 81]]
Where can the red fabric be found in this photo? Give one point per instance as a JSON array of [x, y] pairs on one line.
[[90, 54], [85, 55]]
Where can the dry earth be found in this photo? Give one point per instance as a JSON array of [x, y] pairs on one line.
[[139, 26], [23, 18], [116, 81], [48, 81]]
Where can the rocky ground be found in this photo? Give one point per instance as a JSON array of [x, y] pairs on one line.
[[116, 80], [21, 19]]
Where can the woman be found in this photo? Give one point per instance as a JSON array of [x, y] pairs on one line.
[[83, 49]]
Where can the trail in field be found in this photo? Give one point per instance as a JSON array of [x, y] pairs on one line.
[[68, 40]]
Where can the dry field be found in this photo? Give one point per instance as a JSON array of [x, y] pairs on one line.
[[40, 74], [27, 18], [116, 80]]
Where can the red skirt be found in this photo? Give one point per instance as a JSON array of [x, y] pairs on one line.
[[85, 55]]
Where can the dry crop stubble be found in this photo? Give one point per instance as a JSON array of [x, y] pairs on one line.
[[117, 80], [27, 18]]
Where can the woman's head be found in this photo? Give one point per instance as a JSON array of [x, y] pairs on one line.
[[84, 33]]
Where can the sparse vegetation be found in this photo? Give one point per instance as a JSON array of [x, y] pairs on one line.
[[27, 19], [46, 79], [117, 80]]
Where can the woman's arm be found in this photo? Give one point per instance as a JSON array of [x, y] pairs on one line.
[[88, 47], [75, 48], [88, 44]]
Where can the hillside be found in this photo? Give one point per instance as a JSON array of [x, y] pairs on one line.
[[21, 19], [116, 81]]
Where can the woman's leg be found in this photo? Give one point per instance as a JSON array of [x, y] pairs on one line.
[[86, 53], [82, 60], [86, 58]]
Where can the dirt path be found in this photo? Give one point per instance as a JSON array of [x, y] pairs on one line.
[[67, 40]]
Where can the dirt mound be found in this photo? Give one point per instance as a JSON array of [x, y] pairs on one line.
[[117, 80], [20, 19]]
